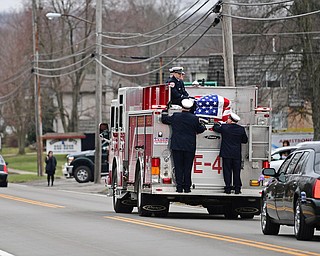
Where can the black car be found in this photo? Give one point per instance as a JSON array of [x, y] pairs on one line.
[[3, 173], [292, 197], [81, 165]]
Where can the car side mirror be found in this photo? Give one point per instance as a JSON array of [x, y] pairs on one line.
[[269, 172]]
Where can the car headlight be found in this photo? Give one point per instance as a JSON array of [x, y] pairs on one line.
[[70, 159]]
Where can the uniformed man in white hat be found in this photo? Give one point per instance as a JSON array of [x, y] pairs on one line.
[[185, 127], [233, 135], [178, 91]]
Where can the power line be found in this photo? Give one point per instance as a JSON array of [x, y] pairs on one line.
[[150, 41], [17, 75], [68, 56], [273, 19], [111, 46], [65, 67], [64, 49], [161, 53], [64, 74], [10, 95], [157, 29], [155, 70], [258, 4]]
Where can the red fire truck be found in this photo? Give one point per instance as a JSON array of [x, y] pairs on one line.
[[141, 171]]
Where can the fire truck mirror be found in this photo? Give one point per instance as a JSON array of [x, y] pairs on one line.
[[104, 130]]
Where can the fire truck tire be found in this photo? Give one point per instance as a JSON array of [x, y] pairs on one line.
[[230, 213], [82, 174], [164, 204], [120, 205], [246, 216], [142, 201]]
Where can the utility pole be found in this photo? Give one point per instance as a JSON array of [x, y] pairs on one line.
[[37, 91], [227, 46], [97, 156]]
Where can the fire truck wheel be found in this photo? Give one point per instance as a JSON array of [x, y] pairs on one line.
[[82, 174], [142, 201], [230, 213], [120, 205], [246, 216], [163, 204]]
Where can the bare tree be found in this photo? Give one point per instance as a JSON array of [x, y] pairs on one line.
[[14, 56]]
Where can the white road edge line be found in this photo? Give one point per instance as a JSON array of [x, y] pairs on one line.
[[3, 253], [82, 193]]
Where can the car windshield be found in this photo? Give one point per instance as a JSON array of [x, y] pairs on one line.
[[317, 163]]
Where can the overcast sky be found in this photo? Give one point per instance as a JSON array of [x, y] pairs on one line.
[[7, 5]]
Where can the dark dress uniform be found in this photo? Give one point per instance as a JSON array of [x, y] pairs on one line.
[[233, 135], [178, 91], [51, 164], [185, 127]]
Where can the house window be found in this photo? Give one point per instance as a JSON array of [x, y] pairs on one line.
[[273, 79]]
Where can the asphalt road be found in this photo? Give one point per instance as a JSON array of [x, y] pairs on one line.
[[78, 219]]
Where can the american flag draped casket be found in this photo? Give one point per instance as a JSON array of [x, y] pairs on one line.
[[213, 106]]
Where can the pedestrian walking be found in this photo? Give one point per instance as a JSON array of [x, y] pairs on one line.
[[185, 127], [233, 135], [51, 164]]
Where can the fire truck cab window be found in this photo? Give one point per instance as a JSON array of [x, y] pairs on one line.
[[112, 117], [117, 119], [120, 117]]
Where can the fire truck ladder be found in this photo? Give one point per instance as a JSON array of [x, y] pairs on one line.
[[259, 142]]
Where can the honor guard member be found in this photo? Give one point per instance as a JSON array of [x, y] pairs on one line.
[[178, 92], [170, 75], [185, 127], [233, 135]]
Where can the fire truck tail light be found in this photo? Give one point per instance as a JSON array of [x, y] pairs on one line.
[[265, 164], [155, 166], [166, 180], [155, 162], [155, 170], [316, 190]]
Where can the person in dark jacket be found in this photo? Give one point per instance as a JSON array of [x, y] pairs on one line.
[[185, 127], [178, 91], [51, 164], [233, 135]]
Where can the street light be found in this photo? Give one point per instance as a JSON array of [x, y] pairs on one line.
[[98, 93], [53, 15]]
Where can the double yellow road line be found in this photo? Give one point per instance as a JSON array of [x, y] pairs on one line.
[[28, 201], [229, 239]]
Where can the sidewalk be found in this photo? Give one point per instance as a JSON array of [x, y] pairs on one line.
[[14, 171], [63, 183]]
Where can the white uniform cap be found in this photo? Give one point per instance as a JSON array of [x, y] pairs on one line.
[[177, 69], [187, 103], [234, 117], [170, 70]]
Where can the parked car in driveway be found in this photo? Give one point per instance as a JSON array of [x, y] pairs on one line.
[[3, 173], [81, 165], [292, 197]]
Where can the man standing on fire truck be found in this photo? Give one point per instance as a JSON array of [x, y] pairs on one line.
[[233, 135], [178, 91], [185, 127]]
